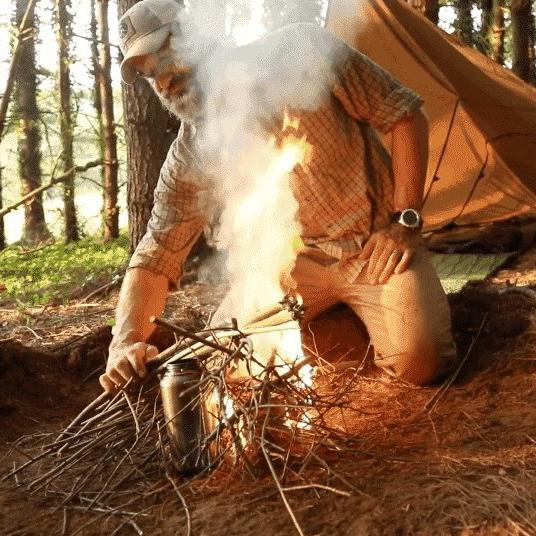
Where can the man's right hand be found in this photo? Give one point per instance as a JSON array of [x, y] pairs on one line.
[[126, 361]]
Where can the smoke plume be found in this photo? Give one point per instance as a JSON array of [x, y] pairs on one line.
[[246, 91]]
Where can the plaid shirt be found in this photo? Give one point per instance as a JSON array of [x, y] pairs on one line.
[[344, 192]]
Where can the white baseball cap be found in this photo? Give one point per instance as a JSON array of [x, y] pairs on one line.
[[143, 29]]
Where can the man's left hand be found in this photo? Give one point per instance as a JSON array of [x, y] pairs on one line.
[[389, 251]]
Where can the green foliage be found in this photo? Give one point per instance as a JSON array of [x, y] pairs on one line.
[[60, 272]]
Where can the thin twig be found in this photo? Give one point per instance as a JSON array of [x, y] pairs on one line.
[[190, 335], [432, 403]]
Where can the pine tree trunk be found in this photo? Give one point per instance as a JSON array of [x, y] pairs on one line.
[[35, 229], [532, 51], [22, 30], [522, 23], [464, 21], [431, 10], [97, 103], [64, 35], [110, 186], [149, 132], [2, 228], [95, 68], [497, 32], [483, 43]]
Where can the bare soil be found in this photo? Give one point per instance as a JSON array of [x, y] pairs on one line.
[[466, 467]]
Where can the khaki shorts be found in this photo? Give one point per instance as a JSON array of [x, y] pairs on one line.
[[407, 319]]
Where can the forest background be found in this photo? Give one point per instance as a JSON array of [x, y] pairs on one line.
[[63, 126]]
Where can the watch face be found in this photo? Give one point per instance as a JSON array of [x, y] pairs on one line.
[[410, 218]]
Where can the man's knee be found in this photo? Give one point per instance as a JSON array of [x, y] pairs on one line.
[[419, 365]]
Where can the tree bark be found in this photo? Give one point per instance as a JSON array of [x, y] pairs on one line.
[[2, 228], [483, 42], [522, 24], [430, 8], [35, 229], [64, 36], [24, 28], [464, 21], [95, 64], [110, 186], [149, 132], [497, 32], [532, 49]]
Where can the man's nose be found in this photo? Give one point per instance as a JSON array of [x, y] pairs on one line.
[[163, 81]]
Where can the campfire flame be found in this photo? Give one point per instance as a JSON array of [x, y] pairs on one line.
[[259, 230], [265, 222]]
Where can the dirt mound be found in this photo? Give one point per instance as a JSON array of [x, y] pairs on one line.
[[501, 313], [38, 387]]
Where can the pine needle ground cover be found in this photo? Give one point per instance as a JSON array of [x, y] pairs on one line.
[[57, 273], [422, 461]]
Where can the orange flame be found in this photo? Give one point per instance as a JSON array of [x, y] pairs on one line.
[[264, 220], [290, 122]]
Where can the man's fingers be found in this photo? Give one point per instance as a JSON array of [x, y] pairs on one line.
[[115, 377], [152, 352], [126, 370], [375, 256], [390, 266], [120, 372], [136, 358], [125, 364], [107, 384], [138, 354], [404, 261], [368, 248], [380, 265]]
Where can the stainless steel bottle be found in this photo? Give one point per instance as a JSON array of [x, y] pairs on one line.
[[191, 415]]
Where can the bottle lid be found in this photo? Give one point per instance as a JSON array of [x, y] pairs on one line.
[[183, 365]]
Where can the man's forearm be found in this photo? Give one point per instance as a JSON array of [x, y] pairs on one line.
[[142, 295], [409, 154]]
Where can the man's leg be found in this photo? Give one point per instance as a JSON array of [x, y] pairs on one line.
[[310, 277], [408, 320], [330, 334]]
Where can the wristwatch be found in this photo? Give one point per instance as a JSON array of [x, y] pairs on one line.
[[409, 217]]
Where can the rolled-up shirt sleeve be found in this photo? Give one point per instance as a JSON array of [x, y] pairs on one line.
[[176, 221], [369, 93]]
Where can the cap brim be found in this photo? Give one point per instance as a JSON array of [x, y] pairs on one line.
[[147, 44]]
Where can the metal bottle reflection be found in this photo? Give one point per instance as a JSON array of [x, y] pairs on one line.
[[191, 415]]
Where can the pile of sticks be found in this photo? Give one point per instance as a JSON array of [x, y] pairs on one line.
[[113, 460]]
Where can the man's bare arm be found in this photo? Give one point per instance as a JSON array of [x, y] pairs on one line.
[[409, 154], [143, 294], [390, 250]]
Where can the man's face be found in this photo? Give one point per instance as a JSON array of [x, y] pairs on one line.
[[172, 80]]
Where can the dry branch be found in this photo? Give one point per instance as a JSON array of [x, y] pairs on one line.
[[56, 180], [432, 403], [117, 447]]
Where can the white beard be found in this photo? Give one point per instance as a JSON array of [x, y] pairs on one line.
[[186, 107]]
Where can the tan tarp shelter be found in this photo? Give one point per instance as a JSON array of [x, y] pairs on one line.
[[482, 118]]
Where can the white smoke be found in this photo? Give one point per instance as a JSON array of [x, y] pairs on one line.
[[246, 92]]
